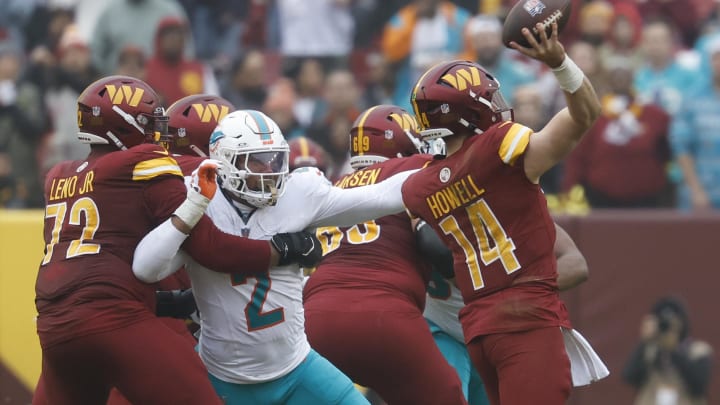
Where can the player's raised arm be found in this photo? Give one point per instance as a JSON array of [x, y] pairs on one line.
[[551, 144]]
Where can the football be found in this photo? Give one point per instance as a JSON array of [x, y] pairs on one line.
[[527, 13]]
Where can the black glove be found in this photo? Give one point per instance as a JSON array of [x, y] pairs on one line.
[[433, 249], [175, 304], [302, 248]]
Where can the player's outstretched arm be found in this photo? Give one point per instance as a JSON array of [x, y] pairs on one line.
[[571, 265], [347, 207], [551, 144]]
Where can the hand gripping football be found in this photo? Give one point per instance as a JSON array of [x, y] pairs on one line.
[[527, 13]]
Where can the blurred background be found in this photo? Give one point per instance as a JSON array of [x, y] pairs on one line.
[[640, 194]]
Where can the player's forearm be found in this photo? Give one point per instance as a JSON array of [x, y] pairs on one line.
[[572, 270], [153, 259], [347, 207], [582, 102], [225, 253]]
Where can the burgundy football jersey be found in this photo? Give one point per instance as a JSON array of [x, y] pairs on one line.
[[381, 254], [497, 224], [97, 211]]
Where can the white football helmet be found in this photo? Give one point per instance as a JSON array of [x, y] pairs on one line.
[[254, 157]]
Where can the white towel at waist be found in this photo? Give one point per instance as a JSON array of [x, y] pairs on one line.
[[585, 365]]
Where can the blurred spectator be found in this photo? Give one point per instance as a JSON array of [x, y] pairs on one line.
[[322, 29], [685, 15], [216, 28], [695, 137], [419, 36], [668, 366], [46, 24], [621, 162], [595, 19], [169, 72], [22, 123], [333, 119], [63, 82], [662, 79], [131, 62], [624, 35], [246, 87], [485, 37], [379, 85], [308, 75], [129, 22], [279, 107], [529, 110]]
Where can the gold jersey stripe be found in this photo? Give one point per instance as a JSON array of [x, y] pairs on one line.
[[149, 169], [514, 144]]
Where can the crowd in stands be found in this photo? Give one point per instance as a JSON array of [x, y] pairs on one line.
[[313, 65]]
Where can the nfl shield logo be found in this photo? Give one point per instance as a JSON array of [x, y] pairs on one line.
[[245, 232], [96, 111], [181, 133], [445, 108], [388, 134], [534, 7]]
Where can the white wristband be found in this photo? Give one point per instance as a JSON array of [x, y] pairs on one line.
[[569, 76], [193, 208]]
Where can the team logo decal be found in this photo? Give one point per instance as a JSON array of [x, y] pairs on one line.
[[462, 78], [534, 7], [124, 94], [445, 174]]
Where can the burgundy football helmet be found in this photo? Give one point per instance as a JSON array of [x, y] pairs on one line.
[[458, 97], [192, 121], [304, 152], [383, 132], [121, 111]]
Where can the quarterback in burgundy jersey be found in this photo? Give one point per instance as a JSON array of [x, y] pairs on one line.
[[363, 304], [96, 321], [484, 200]]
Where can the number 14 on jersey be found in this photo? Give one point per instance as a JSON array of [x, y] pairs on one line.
[[485, 226]]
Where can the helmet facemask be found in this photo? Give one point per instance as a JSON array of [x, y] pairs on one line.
[[256, 177]]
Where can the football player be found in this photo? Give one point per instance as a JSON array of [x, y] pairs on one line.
[[252, 338], [445, 302], [304, 152], [364, 303], [485, 202], [96, 321]]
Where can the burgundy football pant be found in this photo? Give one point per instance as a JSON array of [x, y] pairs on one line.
[[529, 367], [392, 352], [147, 361]]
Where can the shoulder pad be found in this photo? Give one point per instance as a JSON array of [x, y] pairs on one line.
[[152, 161], [515, 139]]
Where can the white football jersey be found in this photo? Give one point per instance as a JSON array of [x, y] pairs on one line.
[[252, 328], [443, 309]]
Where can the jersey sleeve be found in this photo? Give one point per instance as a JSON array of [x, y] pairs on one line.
[[347, 207], [515, 138], [225, 253]]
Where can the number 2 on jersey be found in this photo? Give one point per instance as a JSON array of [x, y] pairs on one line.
[[256, 318], [485, 226]]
